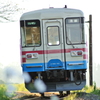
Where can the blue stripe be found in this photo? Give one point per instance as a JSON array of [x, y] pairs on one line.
[[69, 65], [83, 65], [33, 67]]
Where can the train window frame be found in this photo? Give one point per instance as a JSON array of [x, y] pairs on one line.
[[38, 25], [22, 33], [58, 37], [81, 24]]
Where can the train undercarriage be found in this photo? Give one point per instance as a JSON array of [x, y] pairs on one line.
[[58, 80]]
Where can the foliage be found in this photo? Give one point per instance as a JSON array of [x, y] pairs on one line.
[[3, 95], [8, 10], [71, 96], [20, 87], [87, 89], [96, 90]]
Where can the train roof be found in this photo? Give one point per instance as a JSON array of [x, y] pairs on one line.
[[52, 13]]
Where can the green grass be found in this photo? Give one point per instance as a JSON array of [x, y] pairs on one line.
[[91, 89], [96, 90], [3, 93], [21, 87], [87, 89]]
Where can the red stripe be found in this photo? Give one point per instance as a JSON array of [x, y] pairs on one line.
[[39, 52], [54, 51], [23, 60], [69, 50], [85, 56]]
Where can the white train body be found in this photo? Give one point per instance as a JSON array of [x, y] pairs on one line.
[[53, 42]]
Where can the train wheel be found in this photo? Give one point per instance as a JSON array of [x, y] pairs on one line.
[[42, 94], [67, 92], [61, 93]]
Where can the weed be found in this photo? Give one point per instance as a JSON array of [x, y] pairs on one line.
[[3, 95]]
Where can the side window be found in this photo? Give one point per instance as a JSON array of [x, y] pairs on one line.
[[53, 35], [31, 33]]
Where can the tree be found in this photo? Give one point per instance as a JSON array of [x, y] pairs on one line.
[[9, 11]]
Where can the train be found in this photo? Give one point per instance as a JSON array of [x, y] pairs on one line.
[[54, 49]]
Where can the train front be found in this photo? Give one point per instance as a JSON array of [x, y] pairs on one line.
[[54, 49]]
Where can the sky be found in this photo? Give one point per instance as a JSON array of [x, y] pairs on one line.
[[10, 32]]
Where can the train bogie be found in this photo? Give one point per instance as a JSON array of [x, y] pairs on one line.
[[59, 80]]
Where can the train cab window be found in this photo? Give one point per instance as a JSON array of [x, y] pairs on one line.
[[75, 30], [32, 33], [53, 35]]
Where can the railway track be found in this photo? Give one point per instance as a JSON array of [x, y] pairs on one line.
[[48, 96], [34, 98], [43, 98]]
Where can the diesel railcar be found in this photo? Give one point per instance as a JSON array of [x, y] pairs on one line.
[[53, 48]]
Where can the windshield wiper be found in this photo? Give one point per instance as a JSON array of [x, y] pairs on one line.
[[70, 42]]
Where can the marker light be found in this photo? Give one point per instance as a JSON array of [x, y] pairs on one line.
[[76, 53], [31, 55]]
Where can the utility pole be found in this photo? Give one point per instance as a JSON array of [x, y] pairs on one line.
[[90, 51]]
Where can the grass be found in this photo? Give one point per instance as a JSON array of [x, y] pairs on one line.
[[3, 93], [87, 89], [72, 96], [92, 89], [20, 87], [7, 93], [96, 90]]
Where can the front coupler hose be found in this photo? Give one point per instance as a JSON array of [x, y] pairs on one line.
[[78, 77]]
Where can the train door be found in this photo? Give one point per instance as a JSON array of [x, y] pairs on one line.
[[53, 44]]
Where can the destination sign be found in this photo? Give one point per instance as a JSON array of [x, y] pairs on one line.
[[29, 23]]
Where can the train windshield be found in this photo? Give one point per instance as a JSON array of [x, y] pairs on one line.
[[75, 30], [31, 33]]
